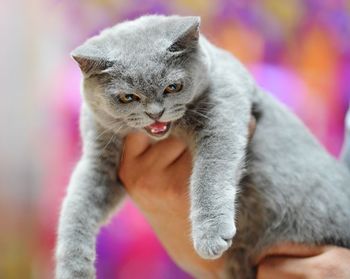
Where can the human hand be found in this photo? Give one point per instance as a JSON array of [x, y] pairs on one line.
[[156, 177], [293, 261]]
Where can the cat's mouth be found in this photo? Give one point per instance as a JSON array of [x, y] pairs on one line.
[[158, 129]]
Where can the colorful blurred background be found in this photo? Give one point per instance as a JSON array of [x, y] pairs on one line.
[[299, 50]]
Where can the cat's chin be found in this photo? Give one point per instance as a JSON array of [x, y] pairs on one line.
[[158, 129]]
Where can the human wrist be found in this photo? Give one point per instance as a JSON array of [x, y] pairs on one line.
[[180, 247]]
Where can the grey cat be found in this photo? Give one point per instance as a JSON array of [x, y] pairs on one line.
[[157, 74]]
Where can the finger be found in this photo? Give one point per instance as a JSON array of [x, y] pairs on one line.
[[182, 164], [163, 153], [252, 126], [180, 171], [291, 250], [135, 144], [285, 267]]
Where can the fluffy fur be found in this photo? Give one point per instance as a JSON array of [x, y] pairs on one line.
[[282, 187], [345, 154]]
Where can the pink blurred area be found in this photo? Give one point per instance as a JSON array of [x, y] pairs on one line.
[[298, 50]]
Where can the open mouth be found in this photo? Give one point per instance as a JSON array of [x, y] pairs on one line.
[[158, 129]]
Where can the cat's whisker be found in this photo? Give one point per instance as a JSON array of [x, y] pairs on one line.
[[119, 128], [177, 109], [107, 144], [111, 123], [115, 132], [134, 119], [199, 114], [102, 133], [202, 108], [178, 105], [187, 121]]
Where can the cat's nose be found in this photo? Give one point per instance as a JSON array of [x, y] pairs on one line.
[[155, 116]]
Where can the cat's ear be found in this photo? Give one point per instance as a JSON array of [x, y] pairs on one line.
[[90, 60], [188, 38]]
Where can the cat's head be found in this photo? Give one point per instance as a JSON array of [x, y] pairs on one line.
[[143, 72]]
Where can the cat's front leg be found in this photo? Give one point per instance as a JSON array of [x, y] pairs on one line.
[[92, 194], [217, 169]]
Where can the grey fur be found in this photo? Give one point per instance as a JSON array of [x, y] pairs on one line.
[[282, 187], [345, 154]]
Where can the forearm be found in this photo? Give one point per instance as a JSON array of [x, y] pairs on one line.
[[161, 192], [175, 238]]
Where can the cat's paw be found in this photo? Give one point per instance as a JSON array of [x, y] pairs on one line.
[[212, 238]]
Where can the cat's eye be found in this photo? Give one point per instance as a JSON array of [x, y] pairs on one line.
[[128, 98], [173, 88]]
